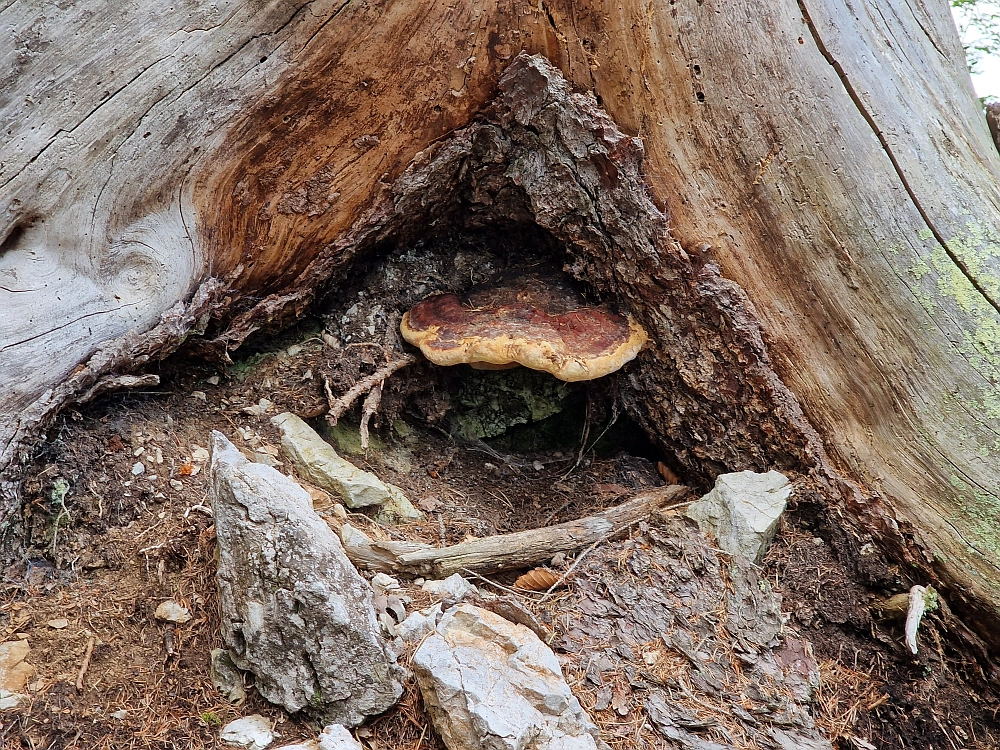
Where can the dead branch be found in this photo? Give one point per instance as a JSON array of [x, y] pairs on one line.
[[342, 404], [372, 400], [85, 665], [506, 551]]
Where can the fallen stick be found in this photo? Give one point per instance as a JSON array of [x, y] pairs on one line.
[[340, 405], [506, 551], [87, 654]]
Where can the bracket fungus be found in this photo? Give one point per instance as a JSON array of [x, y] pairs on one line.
[[523, 318]]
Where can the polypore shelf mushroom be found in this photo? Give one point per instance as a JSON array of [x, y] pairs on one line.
[[523, 318]]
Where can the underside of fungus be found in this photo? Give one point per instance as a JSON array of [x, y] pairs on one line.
[[524, 318]]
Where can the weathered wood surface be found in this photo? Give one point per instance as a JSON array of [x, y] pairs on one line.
[[521, 549], [834, 158]]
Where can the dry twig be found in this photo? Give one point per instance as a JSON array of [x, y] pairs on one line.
[[85, 665], [340, 405]]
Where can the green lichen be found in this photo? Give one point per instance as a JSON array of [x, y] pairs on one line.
[[487, 404], [942, 284]]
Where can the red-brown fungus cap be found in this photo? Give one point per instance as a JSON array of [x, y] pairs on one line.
[[525, 318]]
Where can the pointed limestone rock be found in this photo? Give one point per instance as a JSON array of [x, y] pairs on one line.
[[316, 460], [742, 512], [295, 612]]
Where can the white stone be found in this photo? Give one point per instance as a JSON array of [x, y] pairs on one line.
[[488, 683], [137, 468], [419, 624], [398, 508], [252, 732], [9, 700], [333, 737], [337, 737], [742, 512], [453, 587], [317, 461], [383, 583], [171, 611]]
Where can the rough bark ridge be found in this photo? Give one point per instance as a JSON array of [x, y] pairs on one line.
[[539, 153]]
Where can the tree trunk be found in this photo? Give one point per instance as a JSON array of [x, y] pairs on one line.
[[807, 235]]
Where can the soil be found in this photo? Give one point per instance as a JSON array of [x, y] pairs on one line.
[[117, 519]]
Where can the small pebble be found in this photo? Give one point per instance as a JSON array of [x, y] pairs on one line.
[[200, 395], [171, 611], [58, 624], [138, 468], [537, 465], [176, 484], [214, 380], [120, 714]]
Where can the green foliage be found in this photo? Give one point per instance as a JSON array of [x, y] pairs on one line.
[[979, 27], [211, 719]]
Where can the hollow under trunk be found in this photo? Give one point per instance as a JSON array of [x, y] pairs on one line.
[[808, 248]]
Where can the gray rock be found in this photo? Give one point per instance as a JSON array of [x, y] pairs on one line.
[[316, 460], [453, 587], [226, 677], [419, 624], [9, 700], [171, 611], [398, 508], [336, 737], [295, 612], [742, 512], [333, 737], [489, 684]]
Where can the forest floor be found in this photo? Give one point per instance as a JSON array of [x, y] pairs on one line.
[[103, 542]]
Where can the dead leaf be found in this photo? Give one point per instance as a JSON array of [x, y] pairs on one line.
[[429, 503], [115, 444], [186, 469], [539, 579], [668, 475]]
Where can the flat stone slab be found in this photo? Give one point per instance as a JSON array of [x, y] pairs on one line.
[[316, 461]]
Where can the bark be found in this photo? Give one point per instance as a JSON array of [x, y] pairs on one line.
[[797, 200]]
